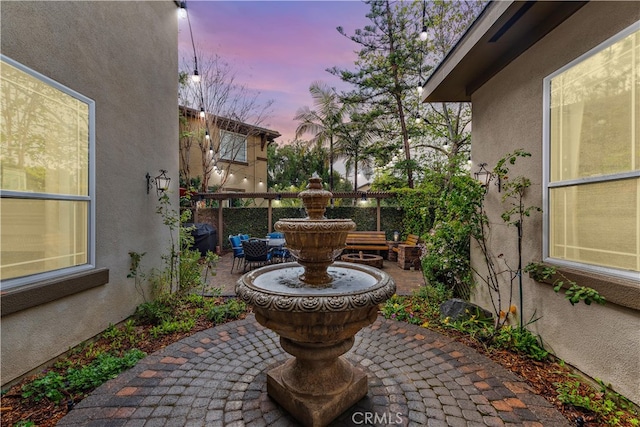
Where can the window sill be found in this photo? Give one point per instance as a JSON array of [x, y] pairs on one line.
[[33, 295], [625, 293]]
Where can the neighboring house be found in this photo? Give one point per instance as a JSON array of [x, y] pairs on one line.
[[232, 154], [88, 96], [561, 80]]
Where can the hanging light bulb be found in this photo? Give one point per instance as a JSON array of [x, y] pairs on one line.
[[206, 134], [195, 77], [420, 89], [182, 11], [418, 119], [211, 151], [202, 113], [423, 34]]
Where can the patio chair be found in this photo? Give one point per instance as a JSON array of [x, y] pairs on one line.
[[256, 253], [238, 252]]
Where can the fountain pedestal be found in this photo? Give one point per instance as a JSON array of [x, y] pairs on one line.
[[317, 385]]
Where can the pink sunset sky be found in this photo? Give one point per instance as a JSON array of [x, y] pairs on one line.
[[277, 47]]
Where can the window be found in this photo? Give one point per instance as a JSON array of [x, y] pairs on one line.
[[592, 159], [233, 146], [46, 177]]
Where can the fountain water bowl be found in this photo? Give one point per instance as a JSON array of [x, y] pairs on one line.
[[316, 306]]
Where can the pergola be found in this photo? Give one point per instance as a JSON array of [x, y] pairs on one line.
[[270, 197]]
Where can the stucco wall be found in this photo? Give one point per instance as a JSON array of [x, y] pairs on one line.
[[601, 341], [123, 55]]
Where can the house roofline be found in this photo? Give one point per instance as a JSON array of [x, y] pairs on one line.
[[226, 124], [503, 31]]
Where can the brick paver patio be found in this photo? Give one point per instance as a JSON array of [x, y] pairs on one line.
[[217, 377]]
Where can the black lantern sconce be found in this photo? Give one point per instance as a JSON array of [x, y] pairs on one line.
[[161, 182], [485, 176]]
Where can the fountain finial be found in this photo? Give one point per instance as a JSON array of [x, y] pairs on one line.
[[315, 198]]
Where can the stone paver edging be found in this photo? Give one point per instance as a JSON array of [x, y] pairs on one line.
[[217, 377]]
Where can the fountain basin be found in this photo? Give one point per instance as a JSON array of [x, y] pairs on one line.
[[316, 325]]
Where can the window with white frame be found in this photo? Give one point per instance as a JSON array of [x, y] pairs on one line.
[[233, 146], [46, 177], [592, 159]]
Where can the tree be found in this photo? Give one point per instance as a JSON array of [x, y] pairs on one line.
[[293, 164], [392, 63], [232, 113], [325, 122]]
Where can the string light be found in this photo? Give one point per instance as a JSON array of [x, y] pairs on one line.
[[423, 34], [182, 11], [206, 134], [202, 113], [195, 77]]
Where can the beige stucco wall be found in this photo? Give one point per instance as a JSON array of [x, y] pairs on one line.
[[254, 170], [123, 55], [601, 341]]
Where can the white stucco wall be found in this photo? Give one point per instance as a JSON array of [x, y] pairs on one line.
[[601, 341], [123, 55]]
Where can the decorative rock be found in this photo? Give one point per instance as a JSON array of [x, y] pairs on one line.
[[458, 309]]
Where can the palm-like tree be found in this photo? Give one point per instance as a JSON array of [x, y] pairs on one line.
[[324, 122], [355, 137]]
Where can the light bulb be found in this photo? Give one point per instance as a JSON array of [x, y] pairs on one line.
[[423, 34], [182, 10], [420, 89], [418, 120], [211, 152], [202, 113], [206, 135], [195, 77]]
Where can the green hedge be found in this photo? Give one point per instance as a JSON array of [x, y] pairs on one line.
[[253, 221]]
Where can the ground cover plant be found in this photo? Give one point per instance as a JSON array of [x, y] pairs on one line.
[[44, 398], [520, 351]]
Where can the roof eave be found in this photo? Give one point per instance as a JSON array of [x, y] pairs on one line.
[[503, 31]]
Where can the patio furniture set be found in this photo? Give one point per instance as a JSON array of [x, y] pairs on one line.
[[251, 252]]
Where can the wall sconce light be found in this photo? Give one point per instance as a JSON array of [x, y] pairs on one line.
[[485, 176], [396, 236], [161, 182]]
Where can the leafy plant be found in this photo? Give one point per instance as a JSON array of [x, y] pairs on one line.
[[609, 406], [574, 293], [154, 312], [520, 340], [55, 386], [446, 258], [230, 310], [50, 386], [170, 326], [103, 368]]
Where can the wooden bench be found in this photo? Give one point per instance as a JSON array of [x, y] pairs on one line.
[[367, 241], [412, 240]]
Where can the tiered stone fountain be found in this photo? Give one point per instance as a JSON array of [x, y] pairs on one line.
[[316, 306]]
